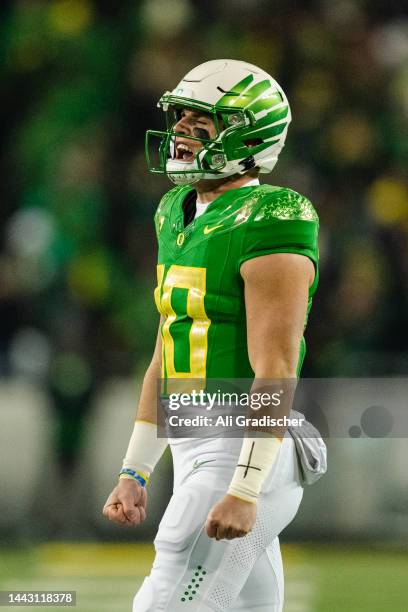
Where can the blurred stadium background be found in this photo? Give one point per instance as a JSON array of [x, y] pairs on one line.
[[80, 80]]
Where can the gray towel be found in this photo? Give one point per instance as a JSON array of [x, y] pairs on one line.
[[310, 448]]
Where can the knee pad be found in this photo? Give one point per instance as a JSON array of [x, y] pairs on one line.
[[183, 519]]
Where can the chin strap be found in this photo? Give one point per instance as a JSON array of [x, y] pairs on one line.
[[182, 173]]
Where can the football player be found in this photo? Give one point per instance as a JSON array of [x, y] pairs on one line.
[[245, 256]]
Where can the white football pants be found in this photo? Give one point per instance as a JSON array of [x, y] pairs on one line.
[[195, 573]]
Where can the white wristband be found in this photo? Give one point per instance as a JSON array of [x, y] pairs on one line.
[[145, 448], [255, 461]]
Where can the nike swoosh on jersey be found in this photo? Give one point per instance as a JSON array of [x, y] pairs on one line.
[[207, 229], [197, 463]]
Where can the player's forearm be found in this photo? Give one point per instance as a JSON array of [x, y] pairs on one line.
[[145, 447], [275, 366], [143, 453], [260, 446], [254, 464], [147, 407], [273, 356], [275, 377]]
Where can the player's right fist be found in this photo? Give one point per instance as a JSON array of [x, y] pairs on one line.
[[126, 505]]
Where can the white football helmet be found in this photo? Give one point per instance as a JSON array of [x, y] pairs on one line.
[[250, 112]]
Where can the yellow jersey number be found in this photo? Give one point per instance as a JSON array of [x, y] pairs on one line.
[[194, 280]]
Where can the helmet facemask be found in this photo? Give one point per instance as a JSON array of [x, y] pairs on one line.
[[207, 160]]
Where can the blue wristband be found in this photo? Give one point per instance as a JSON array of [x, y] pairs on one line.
[[135, 475]]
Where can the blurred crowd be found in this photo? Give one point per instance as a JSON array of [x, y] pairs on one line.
[[80, 82]]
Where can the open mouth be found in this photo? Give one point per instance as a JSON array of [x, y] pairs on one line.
[[184, 153]]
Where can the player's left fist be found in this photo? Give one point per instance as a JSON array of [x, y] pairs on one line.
[[230, 518]]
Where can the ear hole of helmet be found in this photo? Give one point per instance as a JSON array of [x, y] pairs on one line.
[[253, 142]]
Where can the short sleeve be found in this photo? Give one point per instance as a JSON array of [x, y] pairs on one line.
[[284, 224], [159, 215], [164, 207]]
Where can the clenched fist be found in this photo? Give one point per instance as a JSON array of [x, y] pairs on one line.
[[126, 505], [230, 518]]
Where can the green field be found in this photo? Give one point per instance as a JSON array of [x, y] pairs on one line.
[[318, 578]]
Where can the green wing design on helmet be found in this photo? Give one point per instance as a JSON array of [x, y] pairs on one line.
[[237, 90], [249, 98]]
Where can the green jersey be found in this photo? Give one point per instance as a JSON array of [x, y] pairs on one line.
[[200, 292]]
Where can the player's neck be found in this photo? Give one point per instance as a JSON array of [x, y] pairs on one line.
[[208, 190]]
